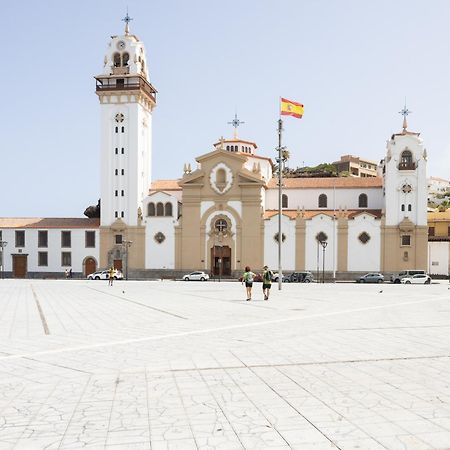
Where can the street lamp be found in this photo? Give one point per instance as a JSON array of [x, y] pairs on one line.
[[127, 245], [3, 244], [324, 246]]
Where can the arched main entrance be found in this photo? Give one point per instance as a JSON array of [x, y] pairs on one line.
[[90, 266], [221, 260]]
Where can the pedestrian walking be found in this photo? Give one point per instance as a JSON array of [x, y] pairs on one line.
[[111, 276], [70, 273], [267, 282], [247, 278], [66, 273]]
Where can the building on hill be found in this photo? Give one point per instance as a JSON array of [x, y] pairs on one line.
[[437, 188], [223, 214], [356, 166]]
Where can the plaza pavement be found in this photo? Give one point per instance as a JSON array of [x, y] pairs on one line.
[[176, 365]]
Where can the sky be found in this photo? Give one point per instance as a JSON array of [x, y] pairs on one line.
[[351, 63]]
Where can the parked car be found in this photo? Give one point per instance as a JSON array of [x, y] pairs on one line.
[[104, 275], [397, 278], [418, 278], [371, 278], [196, 276], [298, 277]]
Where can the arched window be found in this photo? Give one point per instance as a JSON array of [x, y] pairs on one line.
[[159, 209], [151, 209], [362, 201], [125, 59], [284, 201], [406, 161], [116, 59], [322, 201], [168, 209]]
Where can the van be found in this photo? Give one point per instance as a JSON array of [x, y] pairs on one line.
[[396, 278]]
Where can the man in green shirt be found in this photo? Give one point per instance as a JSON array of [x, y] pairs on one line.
[[267, 282]]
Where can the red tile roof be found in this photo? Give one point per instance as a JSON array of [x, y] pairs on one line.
[[48, 222], [322, 183], [165, 185]]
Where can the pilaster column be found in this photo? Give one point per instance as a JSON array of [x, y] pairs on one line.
[[342, 243], [300, 242]]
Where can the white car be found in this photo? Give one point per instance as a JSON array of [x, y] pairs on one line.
[[104, 275], [196, 276], [419, 278]]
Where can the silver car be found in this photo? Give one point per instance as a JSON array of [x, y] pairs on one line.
[[371, 278]]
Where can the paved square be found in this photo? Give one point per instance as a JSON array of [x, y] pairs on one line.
[[176, 365]]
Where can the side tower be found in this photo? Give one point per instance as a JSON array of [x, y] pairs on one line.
[[127, 100], [404, 228]]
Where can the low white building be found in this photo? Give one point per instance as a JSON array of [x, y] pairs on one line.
[[47, 247]]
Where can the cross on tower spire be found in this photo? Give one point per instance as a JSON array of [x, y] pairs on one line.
[[127, 19], [235, 122], [405, 112]]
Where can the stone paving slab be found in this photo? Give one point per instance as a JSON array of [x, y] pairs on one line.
[[176, 365]]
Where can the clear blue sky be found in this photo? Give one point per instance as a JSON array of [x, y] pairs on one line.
[[350, 62]]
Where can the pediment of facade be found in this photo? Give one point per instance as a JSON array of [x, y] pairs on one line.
[[197, 177], [221, 155], [245, 177]]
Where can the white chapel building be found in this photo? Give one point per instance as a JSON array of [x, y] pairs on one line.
[[222, 215]]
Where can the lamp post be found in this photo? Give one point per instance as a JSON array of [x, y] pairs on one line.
[[318, 260], [3, 244], [324, 246], [127, 245]]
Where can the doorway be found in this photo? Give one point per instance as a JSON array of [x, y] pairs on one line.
[[118, 264], [90, 266], [19, 266], [221, 260]]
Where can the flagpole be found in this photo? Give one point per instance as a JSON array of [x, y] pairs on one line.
[[280, 180]]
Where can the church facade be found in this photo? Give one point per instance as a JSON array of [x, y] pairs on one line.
[[222, 215]]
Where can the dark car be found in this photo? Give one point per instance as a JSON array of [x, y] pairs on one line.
[[371, 278], [298, 277]]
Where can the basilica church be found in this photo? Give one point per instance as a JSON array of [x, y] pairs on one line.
[[221, 213]]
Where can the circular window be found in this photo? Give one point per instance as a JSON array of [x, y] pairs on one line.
[[159, 237], [321, 237], [221, 225], [276, 237], [364, 237]]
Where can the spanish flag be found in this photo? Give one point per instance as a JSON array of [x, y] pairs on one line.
[[290, 108]]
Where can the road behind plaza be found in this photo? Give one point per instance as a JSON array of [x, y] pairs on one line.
[[181, 365]]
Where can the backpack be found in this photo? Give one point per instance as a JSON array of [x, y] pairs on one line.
[[268, 275]]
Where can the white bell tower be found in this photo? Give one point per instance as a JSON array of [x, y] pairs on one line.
[[127, 100], [404, 226]]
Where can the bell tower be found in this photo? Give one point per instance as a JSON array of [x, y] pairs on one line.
[[127, 99], [404, 238]]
